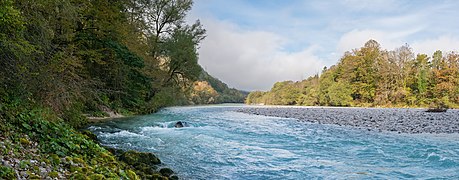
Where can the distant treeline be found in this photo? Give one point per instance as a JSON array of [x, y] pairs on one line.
[[371, 76], [79, 56]]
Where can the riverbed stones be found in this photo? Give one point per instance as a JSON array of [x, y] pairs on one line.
[[401, 120]]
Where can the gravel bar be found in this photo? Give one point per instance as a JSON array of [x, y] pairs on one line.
[[401, 120]]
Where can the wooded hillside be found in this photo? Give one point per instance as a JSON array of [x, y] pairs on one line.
[[372, 76], [76, 56]]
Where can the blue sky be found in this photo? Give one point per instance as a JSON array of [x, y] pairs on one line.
[[252, 44]]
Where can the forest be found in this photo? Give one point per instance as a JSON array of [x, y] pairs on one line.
[[76, 56], [374, 77]]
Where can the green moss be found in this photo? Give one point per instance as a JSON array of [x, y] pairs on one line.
[[77, 169], [131, 174], [78, 160], [47, 161], [53, 174], [134, 157], [24, 164], [7, 173], [54, 158], [90, 135], [24, 141], [85, 170], [107, 157], [79, 176], [32, 175], [96, 177], [68, 158]]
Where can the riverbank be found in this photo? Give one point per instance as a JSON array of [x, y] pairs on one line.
[[401, 120], [36, 144]]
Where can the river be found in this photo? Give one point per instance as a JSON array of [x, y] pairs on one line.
[[220, 143]]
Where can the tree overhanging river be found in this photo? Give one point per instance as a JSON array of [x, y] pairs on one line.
[[221, 143]]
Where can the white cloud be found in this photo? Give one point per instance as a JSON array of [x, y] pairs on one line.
[[252, 60], [357, 38], [387, 40], [445, 43], [391, 40]]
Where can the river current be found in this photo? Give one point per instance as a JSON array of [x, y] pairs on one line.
[[220, 143]]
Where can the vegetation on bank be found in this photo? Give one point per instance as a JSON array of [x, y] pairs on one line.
[[37, 144], [60, 59], [372, 76]]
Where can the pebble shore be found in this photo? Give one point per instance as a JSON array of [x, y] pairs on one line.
[[401, 120]]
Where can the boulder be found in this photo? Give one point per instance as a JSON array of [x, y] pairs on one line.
[[166, 172], [179, 124], [135, 158], [90, 135]]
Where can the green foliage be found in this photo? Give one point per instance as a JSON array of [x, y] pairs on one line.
[[340, 94], [255, 97], [7, 173], [60, 144], [225, 94], [11, 21], [181, 53], [370, 76], [77, 56]]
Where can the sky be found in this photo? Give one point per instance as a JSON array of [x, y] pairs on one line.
[[251, 44]]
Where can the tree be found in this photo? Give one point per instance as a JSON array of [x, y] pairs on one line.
[[422, 68], [180, 52]]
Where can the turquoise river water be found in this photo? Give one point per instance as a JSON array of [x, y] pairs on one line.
[[223, 144]]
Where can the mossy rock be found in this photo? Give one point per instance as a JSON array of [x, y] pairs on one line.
[[114, 151], [79, 176], [53, 174], [156, 176], [47, 161], [131, 175], [33, 176], [174, 177], [96, 177], [90, 135], [7, 173], [78, 160], [54, 158], [24, 141], [107, 157], [166, 172], [134, 157], [68, 159], [146, 169], [76, 169]]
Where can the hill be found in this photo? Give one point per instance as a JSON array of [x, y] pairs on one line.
[[372, 76]]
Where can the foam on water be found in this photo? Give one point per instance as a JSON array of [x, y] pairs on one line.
[[222, 144]]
